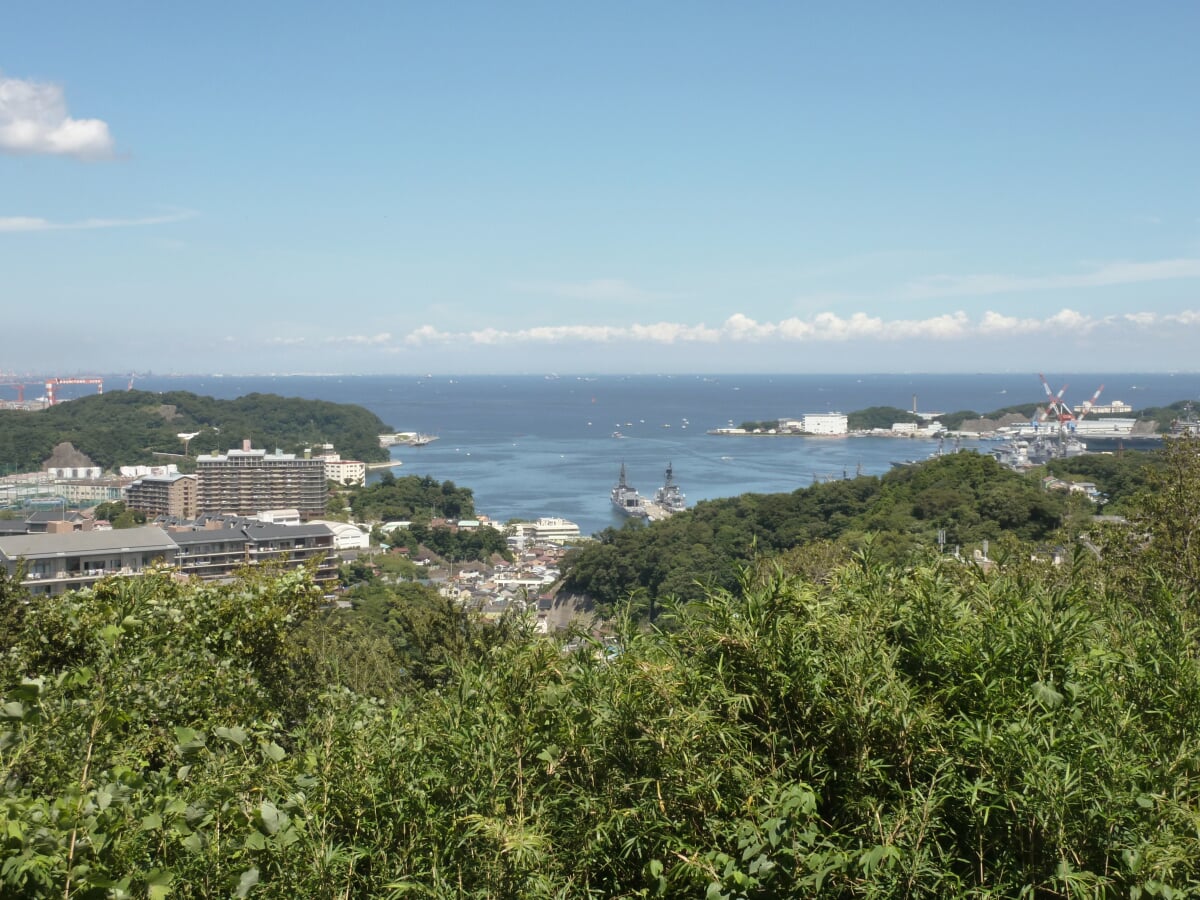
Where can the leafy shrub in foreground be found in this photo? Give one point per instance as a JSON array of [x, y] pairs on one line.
[[930, 731]]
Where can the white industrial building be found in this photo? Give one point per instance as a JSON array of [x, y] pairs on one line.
[[1102, 426], [75, 472], [346, 536], [152, 471], [825, 423]]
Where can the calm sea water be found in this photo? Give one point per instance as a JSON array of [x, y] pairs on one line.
[[536, 445]]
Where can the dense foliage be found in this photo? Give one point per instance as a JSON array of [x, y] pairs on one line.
[[133, 427], [927, 730], [763, 425], [116, 514], [1122, 478], [935, 730], [969, 497], [879, 417], [452, 544], [411, 498]]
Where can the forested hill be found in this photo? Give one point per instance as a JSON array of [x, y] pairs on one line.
[[130, 427], [968, 496]]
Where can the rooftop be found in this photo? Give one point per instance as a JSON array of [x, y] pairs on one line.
[[149, 537]]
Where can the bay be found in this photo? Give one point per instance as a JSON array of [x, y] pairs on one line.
[[535, 445]]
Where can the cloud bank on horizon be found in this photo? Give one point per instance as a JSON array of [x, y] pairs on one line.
[[823, 327], [826, 327]]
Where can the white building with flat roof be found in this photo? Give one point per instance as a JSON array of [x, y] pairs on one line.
[[345, 535], [553, 529], [342, 471], [825, 423]]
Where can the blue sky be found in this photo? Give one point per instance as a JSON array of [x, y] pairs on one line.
[[617, 187]]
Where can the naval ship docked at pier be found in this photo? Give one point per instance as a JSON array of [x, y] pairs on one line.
[[668, 499]]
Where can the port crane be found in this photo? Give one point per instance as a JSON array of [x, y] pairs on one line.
[[52, 383], [1088, 404], [19, 385], [1055, 409], [1060, 411]]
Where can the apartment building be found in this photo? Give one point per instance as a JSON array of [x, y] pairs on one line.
[[243, 482], [57, 563], [219, 552], [164, 495]]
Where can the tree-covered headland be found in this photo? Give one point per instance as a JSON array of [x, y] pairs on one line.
[[871, 724], [132, 427]]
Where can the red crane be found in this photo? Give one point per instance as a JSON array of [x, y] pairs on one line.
[[52, 382], [20, 389], [1062, 412], [1055, 407], [1088, 404]]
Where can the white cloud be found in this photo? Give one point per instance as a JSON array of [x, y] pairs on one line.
[[599, 290], [794, 329], [427, 334], [996, 324], [549, 334], [368, 340], [1103, 276], [829, 326], [945, 327], [741, 327], [1140, 318], [12, 224], [825, 327], [34, 120], [1070, 320], [673, 332]]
